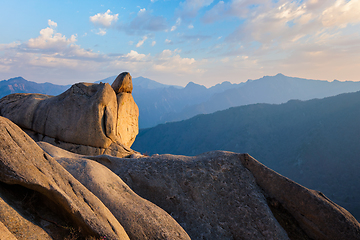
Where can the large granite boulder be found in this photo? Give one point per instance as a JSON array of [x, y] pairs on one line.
[[224, 195], [50, 193], [87, 118], [50, 199], [140, 218]]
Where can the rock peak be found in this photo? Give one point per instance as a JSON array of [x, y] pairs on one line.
[[88, 118], [123, 83]]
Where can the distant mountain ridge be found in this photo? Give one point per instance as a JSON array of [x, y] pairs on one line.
[[159, 103], [315, 142], [165, 103], [268, 89], [20, 85], [140, 82]]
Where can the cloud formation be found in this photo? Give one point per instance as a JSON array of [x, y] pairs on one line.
[[143, 23], [54, 52], [190, 8], [177, 24], [244, 38], [104, 19], [141, 42], [170, 61], [49, 39]]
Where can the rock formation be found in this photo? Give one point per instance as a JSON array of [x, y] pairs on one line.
[[140, 218], [24, 164], [87, 118], [224, 195], [47, 192]]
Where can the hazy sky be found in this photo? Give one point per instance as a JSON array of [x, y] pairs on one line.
[[175, 42]]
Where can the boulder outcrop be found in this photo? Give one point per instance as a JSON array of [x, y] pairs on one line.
[[224, 195], [87, 118], [140, 218], [26, 168], [47, 192]]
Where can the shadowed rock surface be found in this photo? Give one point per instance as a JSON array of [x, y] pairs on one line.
[[51, 193], [224, 195], [215, 195], [140, 218], [87, 118], [28, 168], [317, 215]]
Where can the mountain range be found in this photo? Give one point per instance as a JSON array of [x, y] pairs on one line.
[[159, 103], [315, 142], [20, 85], [67, 170]]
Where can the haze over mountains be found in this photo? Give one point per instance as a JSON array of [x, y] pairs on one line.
[[314, 142], [159, 103], [20, 85], [215, 195]]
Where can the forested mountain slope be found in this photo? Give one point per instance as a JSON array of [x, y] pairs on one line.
[[314, 142]]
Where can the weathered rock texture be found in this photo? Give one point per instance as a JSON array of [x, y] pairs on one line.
[[140, 218], [223, 195], [317, 215], [87, 118], [28, 168], [5, 233], [212, 196], [123, 83], [50, 193]]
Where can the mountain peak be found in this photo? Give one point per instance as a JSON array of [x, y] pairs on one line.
[[192, 85], [280, 75], [16, 79]]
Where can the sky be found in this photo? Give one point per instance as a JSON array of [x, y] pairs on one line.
[[175, 42]]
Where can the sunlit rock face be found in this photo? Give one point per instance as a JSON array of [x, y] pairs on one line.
[[226, 195], [101, 117], [49, 193]]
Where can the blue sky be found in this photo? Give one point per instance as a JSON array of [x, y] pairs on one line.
[[175, 42]]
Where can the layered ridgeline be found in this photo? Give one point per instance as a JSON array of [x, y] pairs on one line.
[[47, 192], [20, 85], [160, 103], [314, 142]]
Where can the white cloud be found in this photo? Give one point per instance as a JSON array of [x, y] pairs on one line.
[[12, 45], [104, 19], [170, 61], [190, 26], [49, 39], [49, 52], [309, 38], [135, 55], [101, 31], [342, 13], [141, 42], [167, 41], [70, 63], [178, 22], [153, 43], [52, 24]]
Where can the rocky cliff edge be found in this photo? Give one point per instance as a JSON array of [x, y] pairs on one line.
[[48, 192]]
